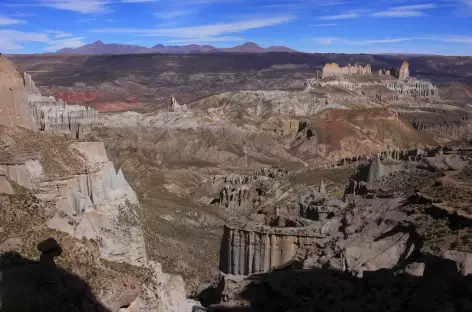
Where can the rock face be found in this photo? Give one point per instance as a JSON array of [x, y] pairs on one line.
[[89, 204], [334, 70], [246, 252], [14, 110]]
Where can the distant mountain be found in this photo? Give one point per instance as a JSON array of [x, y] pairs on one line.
[[99, 47]]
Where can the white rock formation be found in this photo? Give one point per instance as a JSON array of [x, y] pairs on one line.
[[52, 114], [176, 107], [91, 204]]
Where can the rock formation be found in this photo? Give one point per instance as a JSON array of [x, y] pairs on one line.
[[30, 86], [246, 252], [175, 107], [402, 73], [53, 115], [334, 70], [413, 88]]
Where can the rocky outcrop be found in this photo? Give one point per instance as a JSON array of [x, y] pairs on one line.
[[413, 88], [245, 252], [14, 110], [52, 115], [402, 73], [56, 115], [373, 87], [30, 86], [176, 107], [334, 70], [90, 204]]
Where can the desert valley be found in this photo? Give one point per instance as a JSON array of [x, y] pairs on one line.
[[201, 179]]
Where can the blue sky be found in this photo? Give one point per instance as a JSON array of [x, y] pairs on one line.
[[347, 26]]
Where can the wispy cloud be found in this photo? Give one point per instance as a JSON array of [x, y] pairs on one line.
[[138, 1], [87, 6], [72, 42], [12, 40], [173, 14], [206, 40], [81, 6], [332, 40], [341, 16], [458, 39], [324, 25], [58, 34], [203, 31], [405, 11], [452, 39], [10, 21]]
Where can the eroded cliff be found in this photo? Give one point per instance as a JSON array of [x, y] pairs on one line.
[[74, 193]]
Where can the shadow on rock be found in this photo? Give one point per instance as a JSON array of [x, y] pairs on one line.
[[429, 284], [27, 285]]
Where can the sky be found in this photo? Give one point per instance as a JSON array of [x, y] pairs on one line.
[[339, 26]]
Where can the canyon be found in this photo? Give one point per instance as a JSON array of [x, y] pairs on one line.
[[241, 175]]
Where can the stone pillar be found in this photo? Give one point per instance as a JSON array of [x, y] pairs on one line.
[[229, 250], [250, 252], [258, 257], [242, 252], [273, 251], [266, 243], [235, 253]]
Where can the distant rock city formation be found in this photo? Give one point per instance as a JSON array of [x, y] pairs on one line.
[[358, 77], [334, 70]]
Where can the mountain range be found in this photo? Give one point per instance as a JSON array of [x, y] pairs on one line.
[[99, 47]]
